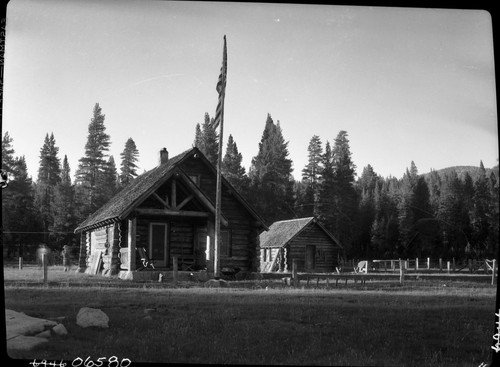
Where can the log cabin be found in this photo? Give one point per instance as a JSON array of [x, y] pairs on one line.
[[303, 239], [169, 211]]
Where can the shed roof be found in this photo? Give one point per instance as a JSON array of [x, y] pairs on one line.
[[120, 205], [282, 232]]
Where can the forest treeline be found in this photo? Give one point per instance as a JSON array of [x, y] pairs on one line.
[[447, 213]]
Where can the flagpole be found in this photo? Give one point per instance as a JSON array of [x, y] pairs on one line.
[[219, 178]]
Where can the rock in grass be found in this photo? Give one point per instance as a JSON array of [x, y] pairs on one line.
[[87, 317], [19, 323], [23, 343], [59, 329]]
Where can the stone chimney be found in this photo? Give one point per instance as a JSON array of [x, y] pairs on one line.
[[163, 156]]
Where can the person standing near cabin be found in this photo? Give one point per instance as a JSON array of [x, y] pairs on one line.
[[66, 257]]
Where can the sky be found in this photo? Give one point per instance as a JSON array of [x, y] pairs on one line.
[[407, 84]]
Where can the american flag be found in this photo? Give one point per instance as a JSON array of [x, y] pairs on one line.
[[221, 87]]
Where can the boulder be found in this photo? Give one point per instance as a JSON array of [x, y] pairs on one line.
[[23, 342], [19, 323], [88, 317], [59, 329]]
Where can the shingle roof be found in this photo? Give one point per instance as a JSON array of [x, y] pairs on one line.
[[133, 193], [120, 205], [282, 232]]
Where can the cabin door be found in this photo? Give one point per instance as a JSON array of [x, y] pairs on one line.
[[310, 261], [158, 244]]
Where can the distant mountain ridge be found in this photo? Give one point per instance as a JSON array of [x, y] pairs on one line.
[[461, 170]]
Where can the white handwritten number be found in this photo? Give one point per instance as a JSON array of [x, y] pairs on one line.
[[77, 362], [496, 337]]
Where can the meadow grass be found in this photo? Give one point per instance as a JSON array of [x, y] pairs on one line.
[[415, 324]]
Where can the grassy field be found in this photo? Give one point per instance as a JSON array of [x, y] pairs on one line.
[[380, 323]]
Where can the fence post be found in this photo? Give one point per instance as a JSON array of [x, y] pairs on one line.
[[440, 265], [401, 272], [175, 268], [448, 266], [416, 264], [45, 268], [294, 273], [20, 263], [428, 263], [493, 272]]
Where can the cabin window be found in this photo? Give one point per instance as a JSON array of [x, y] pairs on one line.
[[264, 254], [226, 245]]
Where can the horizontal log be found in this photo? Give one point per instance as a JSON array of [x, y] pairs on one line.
[[177, 213]]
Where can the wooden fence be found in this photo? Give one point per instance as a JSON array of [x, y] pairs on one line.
[[472, 266], [363, 271]]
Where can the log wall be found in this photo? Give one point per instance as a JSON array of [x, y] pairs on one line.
[[325, 253]]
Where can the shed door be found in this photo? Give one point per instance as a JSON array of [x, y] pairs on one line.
[[158, 245], [310, 261]]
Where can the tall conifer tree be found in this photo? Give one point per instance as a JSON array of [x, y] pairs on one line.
[[64, 220], [8, 160], [232, 169], [271, 175], [345, 197], [19, 216], [93, 164], [310, 177], [48, 177], [326, 200], [481, 213], [128, 165]]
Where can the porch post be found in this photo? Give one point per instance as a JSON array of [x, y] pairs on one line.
[[82, 258], [132, 225]]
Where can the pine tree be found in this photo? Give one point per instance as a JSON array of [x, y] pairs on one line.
[[434, 184], [19, 218], [345, 197], [495, 212], [64, 218], [232, 169], [453, 215], [48, 177], [481, 213], [326, 197], [271, 175], [418, 227], [207, 140], [198, 137], [92, 165], [310, 177], [406, 219], [366, 186], [8, 160], [385, 229], [109, 183], [128, 165]]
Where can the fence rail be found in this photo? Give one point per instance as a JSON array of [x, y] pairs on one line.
[[421, 265]]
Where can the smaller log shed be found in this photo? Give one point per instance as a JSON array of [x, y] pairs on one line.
[[304, 239], [169, 211]]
